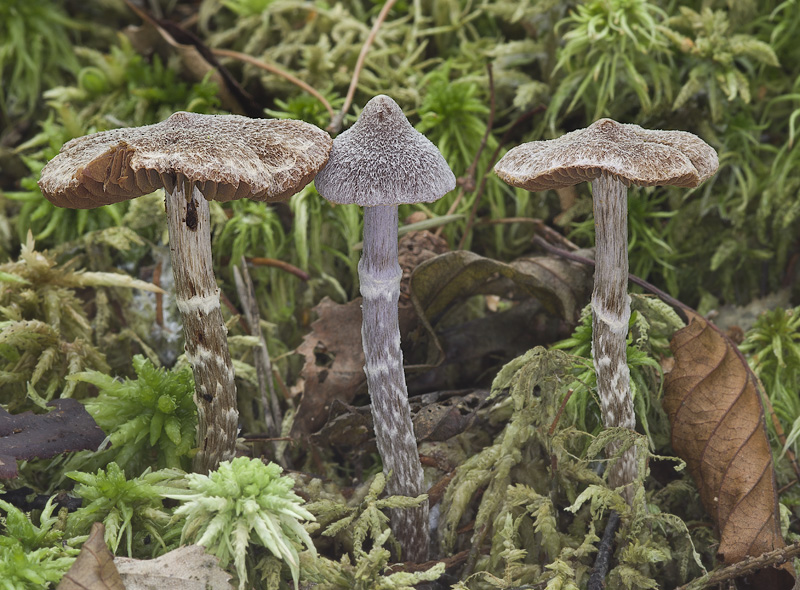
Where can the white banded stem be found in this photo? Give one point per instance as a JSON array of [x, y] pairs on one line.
[[379, 274], [611, 311], [197, 296]]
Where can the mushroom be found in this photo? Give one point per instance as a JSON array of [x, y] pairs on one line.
[[379, 163], [612, 156], [195, 158]]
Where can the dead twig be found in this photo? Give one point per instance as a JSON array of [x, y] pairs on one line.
[[337, 120], [466, 183], [540, 227], [277, 71], [490, 166], [275, 263], [681, 308], [247, 296], [781, 436], [159, 296], [290, 268], [775, 557], [560, 411], [597, 578]]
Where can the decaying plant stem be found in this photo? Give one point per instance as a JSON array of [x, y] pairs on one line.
[[611, 311], [597, 578], [269, 402], [379, 274], [197, 296], [336, 121], [277, 71], [775, 557]]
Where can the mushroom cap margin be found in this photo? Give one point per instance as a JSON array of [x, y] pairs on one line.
[[632, 154], [226, 156]]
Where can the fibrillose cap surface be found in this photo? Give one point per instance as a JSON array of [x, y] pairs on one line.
[[383, 160], [628, 152], [225, 156]]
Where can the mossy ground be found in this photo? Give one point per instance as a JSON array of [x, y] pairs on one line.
[[527, 501]]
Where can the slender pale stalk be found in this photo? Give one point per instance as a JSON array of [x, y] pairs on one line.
[[379, 274], [611, 310], [197, 296]]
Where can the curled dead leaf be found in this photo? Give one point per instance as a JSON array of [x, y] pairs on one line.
[[718, 428]]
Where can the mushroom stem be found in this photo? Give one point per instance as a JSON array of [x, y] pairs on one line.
[[611, 310], [197, 297], [379, 274]]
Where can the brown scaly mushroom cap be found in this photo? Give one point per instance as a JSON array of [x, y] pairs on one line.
[[226, 156], [630, 153], [383, 160]]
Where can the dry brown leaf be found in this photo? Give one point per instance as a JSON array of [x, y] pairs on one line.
[[334, 363], [94, 569], [334, 359], [184, 568], [718, 429], [196, 59]]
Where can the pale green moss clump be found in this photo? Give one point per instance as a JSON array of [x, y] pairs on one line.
[[244, 500]]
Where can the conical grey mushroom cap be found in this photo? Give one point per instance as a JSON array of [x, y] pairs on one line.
[[226, 156], [383, 160], [634, 155]]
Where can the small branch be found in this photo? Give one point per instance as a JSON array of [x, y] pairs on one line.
[[467, 182], [681, 307], [274, 262], [597, 578], [336, 120], [560, 411], [781, 434], [776, 557], [290, 268], [540, 226], [277, 71], [478, 539], [159, 296], [490, 165], [270, 408]]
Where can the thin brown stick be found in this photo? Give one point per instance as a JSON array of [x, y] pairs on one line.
[[548, 232], [560, 411], [781, 434], [597, 577], [277, 71], [467, 182], [478, 539], [788, 486], [680, 307], [489, 167], [247, 296], [159, 296], [775, 557], [290, 268], [336, 120]]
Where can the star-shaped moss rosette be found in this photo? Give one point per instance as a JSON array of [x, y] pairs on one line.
[[244, 501]]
